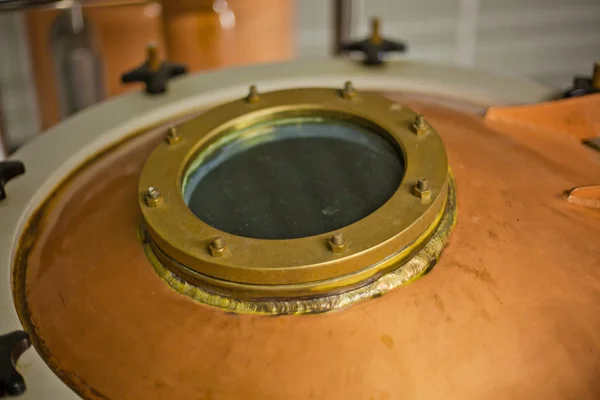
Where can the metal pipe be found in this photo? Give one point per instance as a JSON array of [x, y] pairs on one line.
[[14, 5], [3, 140], [342, 24]]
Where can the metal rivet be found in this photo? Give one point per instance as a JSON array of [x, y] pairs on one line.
[[253, 95], [348, 92], [173, 136], [337, 243], [153, 197], [396, 107], [420, 126], [218, 246], [422, 190]]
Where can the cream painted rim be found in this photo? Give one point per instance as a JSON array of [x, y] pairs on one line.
[[65, 147]]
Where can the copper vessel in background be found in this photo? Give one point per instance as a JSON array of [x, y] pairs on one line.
[[207, 34], [79, 54]]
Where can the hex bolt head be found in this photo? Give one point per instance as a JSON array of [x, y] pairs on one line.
[[420, 126], [153, 197], [253, 95], [422, 190], [337, 243], [218, 246], [348, 91], [173, 136]]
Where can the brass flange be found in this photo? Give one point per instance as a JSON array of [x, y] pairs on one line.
[[254, 269]]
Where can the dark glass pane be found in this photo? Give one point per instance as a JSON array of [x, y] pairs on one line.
[[295, 178]]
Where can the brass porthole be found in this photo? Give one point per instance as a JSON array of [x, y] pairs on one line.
[[300, 270]]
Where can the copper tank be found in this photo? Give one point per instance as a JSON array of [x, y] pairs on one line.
[[508, 309]]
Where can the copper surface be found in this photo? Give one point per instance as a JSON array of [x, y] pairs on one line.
[[576, 116], [510, 311], [588, 196]]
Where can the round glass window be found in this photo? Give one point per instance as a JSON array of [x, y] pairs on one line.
[[294, 178]]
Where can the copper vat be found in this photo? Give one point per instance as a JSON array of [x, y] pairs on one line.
[[509, 311]]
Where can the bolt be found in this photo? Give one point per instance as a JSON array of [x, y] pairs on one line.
[[153, 197], [422, 184], [253, 95], [152, 57], [337, 243], [218, 246], [348, 92], [596, 76], [420, 126], [375, 31], [218, 242], [422, 190], [337, 238], [173, 136]]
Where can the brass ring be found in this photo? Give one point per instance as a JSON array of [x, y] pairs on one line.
[[304, 267]]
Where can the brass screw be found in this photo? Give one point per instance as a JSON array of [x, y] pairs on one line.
[[218, 246], [375, 31], [152, 57], [153, 197], [348, 92], [337, 243], [253, 95], [173, 136], [596, 75], [420, 126], [422, 190]]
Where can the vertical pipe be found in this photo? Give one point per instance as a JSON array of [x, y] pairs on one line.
[[3, 140], [342, 24], [3, 148], [596, 75]]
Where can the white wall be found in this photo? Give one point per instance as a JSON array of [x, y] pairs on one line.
[[547, 40]]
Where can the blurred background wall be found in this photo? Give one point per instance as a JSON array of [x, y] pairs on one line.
[[546, 40]]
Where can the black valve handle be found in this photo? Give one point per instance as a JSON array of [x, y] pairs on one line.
[[154, 73], [375, 47]]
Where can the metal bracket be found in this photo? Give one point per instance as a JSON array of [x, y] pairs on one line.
[[154, 73]]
